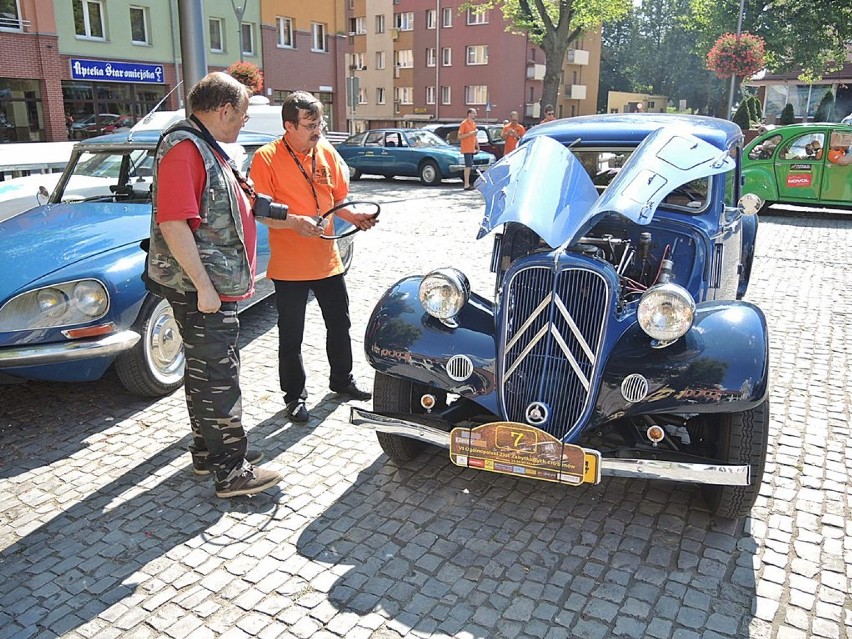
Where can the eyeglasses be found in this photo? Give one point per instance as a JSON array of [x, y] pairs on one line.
[[311, 127], [246, 116]]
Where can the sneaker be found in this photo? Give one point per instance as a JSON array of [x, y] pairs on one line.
[[352, 391], [297, 412], [199, 461], [248, 482]]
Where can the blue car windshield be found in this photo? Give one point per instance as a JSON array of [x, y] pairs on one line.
[[603, 165], [424, 139]]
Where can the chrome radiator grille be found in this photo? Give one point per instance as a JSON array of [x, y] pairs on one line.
[[553, 326]]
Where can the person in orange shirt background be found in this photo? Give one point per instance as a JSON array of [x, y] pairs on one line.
[[304, 171], [513, 131], [469, 144]]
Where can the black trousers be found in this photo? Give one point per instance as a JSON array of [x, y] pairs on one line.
[[212, 382], [292, 301]]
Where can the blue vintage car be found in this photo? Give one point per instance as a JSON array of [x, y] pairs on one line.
[[615, 341], [72, 301], [406, 152]]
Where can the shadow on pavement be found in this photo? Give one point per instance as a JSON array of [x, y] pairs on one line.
[[436, 548]]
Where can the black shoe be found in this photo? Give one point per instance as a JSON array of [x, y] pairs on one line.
[[250, 481], [297, 412], [199, 461], [353, 392]]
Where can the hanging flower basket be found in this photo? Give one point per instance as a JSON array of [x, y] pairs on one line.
[[248, 74], [739, 55]]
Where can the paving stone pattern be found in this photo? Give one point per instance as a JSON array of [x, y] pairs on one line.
[[105, 532]]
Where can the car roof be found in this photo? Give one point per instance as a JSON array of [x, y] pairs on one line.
[[631, 128], [148, 138]]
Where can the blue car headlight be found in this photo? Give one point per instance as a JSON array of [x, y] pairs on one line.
[[65, 304], [666, 312], [444, 292]]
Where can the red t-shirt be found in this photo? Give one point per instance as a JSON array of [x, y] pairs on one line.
[[181, 180]]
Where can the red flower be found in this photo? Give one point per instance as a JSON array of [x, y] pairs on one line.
[[741, 55], [248, 74]]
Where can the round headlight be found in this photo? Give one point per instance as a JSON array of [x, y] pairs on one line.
[[52, 302], [444, 292], [666, 312], [90, 298]]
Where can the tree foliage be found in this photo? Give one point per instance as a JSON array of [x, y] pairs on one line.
[[248, 74], [738, 55], [742, 117], [825, 110], [787, 115], [807, 36], [553, 25]]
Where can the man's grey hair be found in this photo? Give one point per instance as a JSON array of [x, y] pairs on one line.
[[215, 90]]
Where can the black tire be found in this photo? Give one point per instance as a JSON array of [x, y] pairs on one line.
[[394, 395], [354, 174], [154, 366], [742, 439], [430, 174]]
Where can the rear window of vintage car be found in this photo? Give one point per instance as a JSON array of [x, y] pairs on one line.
[[603, 165]]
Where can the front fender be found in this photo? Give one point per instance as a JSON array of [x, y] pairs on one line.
[[404, 341], [749, 239], [759, 179], [720, 365]]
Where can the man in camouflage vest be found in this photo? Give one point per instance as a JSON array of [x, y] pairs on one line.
[[202, 260]]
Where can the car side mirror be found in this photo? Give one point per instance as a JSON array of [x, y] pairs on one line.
[[750, 204]]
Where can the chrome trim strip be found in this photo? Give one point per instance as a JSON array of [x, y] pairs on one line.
[[523, 354], [717, 474], [523, 329], [560, 305], [41, 354], [567, 353]]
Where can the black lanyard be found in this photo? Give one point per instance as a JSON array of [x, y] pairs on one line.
[[309, 180]]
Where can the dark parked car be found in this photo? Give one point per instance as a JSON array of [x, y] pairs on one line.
[[489, 136], [615, 341], [72, 301], [407, 152]]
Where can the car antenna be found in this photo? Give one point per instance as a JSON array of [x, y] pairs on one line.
[[150, 113], [575, 142]]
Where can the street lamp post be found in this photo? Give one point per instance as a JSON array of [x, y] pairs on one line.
[[733, 77]]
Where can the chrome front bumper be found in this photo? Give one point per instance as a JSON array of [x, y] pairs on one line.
[[43, 354], [717, 474]]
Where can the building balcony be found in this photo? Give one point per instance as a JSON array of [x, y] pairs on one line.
[[578, 56], [532, 110], [535, 71], [575, 92]]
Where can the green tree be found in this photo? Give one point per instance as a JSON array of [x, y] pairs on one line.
[[825, 110], [553, 25], [801, 35], [787, 115], [742, 117]]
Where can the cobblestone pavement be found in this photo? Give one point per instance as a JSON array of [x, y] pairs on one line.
[[105, 532]]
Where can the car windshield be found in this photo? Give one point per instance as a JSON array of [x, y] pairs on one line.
[[98, 174], [424, 139], [603, 165]]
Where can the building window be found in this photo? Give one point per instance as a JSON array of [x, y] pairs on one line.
[[431, 18], [358, 62], [476, 94], [403, 58], [477, 54], [380, 59], [362, 96], [285, 32], [447, 57], [475, 16], [446, 17], [217, 38], [430, 95], [446, 95], [138, 25], [21, 113], [404, 21], [358, 26], [380, 95], [10, 15], [380, 23], [404, 95], [89, 19], [247, 33], [431, 57], [318, 34]]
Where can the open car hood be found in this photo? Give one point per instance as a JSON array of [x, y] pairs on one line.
[[543, 186]]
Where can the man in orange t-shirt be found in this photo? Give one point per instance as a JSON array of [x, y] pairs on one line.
[[303, 171], [469, 144], [513, 131]]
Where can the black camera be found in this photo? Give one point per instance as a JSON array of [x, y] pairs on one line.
[[265, 207]]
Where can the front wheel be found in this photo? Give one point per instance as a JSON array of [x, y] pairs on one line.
[[354, 174], [154, 366], [394, 395], [430, 174], [742, 439]]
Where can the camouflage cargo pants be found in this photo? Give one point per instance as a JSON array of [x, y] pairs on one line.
[[211, 382]]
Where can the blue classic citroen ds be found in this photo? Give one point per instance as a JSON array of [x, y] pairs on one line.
[[615, 341]]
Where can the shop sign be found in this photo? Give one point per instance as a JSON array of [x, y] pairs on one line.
[[111, 71]]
